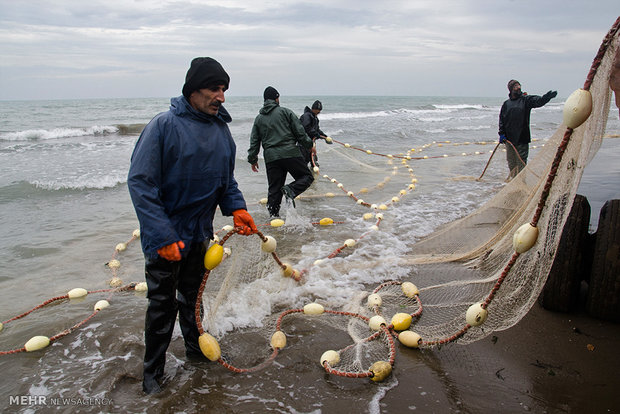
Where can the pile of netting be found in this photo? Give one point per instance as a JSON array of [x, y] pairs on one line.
[[476, 275]]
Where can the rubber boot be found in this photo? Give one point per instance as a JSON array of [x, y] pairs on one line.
[[160, 318], [158, 327], [288, 193]]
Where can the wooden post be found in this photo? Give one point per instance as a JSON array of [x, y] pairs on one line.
[[604, 289], [572, 261]]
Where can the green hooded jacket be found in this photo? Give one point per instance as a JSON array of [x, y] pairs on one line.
[[279, 130]]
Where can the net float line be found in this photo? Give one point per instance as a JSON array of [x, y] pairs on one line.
[[40, 342], [382, 206], [259, 367], [114, 264], [404, 157]]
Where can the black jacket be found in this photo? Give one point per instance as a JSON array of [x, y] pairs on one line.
[[311, 124], [514, 117]]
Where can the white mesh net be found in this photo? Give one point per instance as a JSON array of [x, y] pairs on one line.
[[454, 267]]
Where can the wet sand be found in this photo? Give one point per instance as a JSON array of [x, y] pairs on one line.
[[547, 363]]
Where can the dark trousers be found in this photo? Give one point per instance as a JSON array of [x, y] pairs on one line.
[[172, 288], [276, 177], [516, 159]]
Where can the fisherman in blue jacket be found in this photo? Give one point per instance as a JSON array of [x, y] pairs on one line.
[[181, 171]]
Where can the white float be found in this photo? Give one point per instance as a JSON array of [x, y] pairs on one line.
[[476, 314], [331, 357], [577, 108]]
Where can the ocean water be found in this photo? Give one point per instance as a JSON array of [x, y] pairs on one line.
[[64, 206]]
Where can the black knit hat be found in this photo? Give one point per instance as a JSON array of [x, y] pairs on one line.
[[204, 72], [511, 84], [270, 93], [317, 105]]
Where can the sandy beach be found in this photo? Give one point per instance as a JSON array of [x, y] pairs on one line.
[[548, 363]]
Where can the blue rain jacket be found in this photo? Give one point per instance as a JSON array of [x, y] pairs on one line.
[[181, 170]]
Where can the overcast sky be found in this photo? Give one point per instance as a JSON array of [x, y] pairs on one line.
[[142, 48]]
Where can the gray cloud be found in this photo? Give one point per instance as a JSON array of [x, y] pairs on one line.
[[121, 48]]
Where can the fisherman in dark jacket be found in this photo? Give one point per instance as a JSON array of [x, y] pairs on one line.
[[310, 120], [279, 131], [514, 124], [181, 171]]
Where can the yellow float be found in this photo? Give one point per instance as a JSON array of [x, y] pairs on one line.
[[287, 270], [409, 289], [380, 370], [209, 347], [401, 321], [276, 223], [214, 256]]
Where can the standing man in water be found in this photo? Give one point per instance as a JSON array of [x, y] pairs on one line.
[[181, 171], [279, 131], [310, 120], [514, 124]]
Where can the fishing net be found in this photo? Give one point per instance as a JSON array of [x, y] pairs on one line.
[[458, 284], [468, 266]]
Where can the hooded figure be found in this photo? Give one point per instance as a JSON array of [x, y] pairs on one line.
[[514, 124]]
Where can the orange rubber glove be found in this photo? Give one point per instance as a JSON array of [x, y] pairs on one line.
[[244, 222], [172, 251]]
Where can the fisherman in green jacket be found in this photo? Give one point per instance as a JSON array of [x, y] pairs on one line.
[[279, 130]]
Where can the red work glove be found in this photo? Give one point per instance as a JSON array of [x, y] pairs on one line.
[[244, 222], [172, 251]]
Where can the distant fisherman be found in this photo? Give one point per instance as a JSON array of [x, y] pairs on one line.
[[310, 120], [181, 170], [514, 124], [279, 131]]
